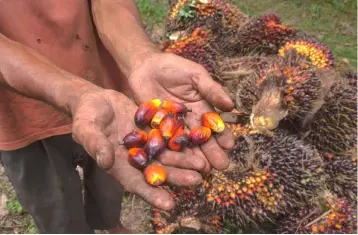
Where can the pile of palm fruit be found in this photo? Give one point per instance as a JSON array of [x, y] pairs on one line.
[[294, 166]]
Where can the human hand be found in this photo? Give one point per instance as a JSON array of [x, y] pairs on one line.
[[168, 76], [103, 117]]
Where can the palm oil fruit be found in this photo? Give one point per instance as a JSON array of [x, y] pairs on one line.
[[179, 140], [199, 135], [158, 117], [146, 112], [155, 144], [213, 121], [155, 175], [175, 107], [135, 139], [137, 158], [169, 125]]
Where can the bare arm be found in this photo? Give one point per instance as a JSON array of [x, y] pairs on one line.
[[120, 29], [27, 72]]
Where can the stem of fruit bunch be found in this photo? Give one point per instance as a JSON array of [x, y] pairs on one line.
[[319, 218]]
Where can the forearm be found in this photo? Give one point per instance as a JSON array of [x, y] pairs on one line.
[[27, 72], [120, 29]]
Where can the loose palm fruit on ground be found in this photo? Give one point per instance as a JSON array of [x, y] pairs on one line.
[[137, 158], [155, 144], [213, 121], [179, 140], [158, 117], [175, 108], [135, 139], [155, 175], [169, 125], [199, 135], [146, 111]]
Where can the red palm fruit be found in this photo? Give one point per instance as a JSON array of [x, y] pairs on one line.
[[135, 139], [175, 107], [199, 135], [146, 111], [213, 121], [179, 140], [158, 117], [155, 144], [169, 125], [137, 158], [155, 175]]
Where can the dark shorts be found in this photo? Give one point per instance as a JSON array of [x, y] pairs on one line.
[[48, 186]]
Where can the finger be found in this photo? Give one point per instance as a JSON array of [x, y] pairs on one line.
[[186, 160], [213, 152], [134, 182], [95, 142], [226, 139], [181, 177], [199, 154], [212, 92]]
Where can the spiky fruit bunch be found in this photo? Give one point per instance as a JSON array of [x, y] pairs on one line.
[[318, 54], [342, 175], [278, 155], [190, 214], [215, 14], [331, 216], [333, 129], [287, 89], [195, 47], [263, 34]]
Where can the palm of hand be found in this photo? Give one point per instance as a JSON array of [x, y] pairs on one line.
[[171, 77], [101, 119]]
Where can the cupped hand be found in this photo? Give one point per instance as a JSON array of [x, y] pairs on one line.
[[103, 117], [171, 77]]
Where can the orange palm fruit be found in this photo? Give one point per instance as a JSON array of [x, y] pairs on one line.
[[155, 175], [137, 158], [175, 107], [179, 140], [146, 111], [158, 117], [155, 144], [134, 139], [199, 135], [213, 121], [169, 125]]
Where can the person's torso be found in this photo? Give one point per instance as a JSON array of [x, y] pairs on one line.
[[62, 31]]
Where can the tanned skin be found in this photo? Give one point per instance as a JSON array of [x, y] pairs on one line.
[[52, 70]]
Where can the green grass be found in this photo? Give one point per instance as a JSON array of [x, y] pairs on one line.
[[334, 22], [13, 206]]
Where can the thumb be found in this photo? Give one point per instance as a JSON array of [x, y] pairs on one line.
[[95, 142], [212, 92]]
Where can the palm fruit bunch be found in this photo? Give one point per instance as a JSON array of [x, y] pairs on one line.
[[318, 54], [240, 73], [332, 130], [193, 45], [262, 182], [330, 215], [166, 118], [216, 14], [263, 34], [342, 175], [190, 214]]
